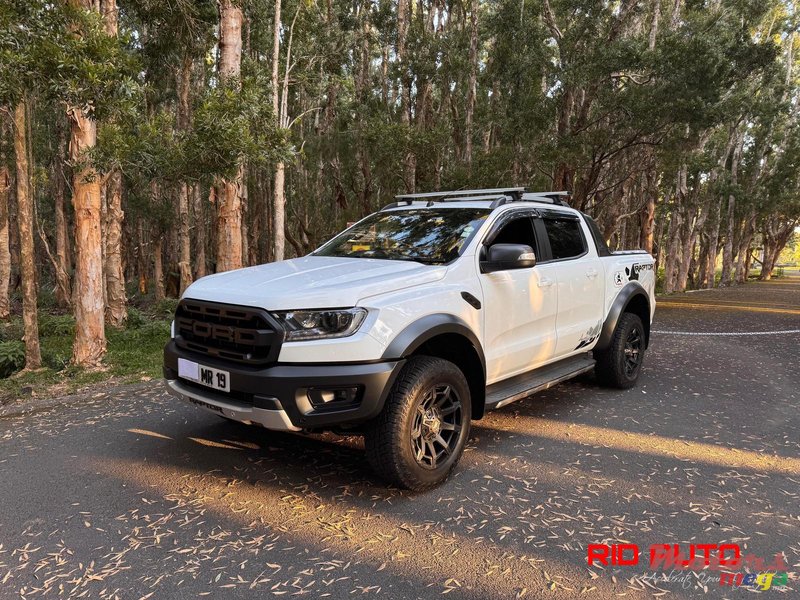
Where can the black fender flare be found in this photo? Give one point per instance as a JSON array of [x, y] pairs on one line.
[[626, 295], [417, 333]]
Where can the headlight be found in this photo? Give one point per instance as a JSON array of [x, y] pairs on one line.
[[321, 324]]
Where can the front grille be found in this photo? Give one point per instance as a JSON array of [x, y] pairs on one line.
[[236, 333]]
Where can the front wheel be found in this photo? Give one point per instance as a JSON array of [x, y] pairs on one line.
[[419, 436], [619, 365]]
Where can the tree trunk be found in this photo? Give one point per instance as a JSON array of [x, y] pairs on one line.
[[687, 255], [199, 231], [740, 276], [90, 336], [709, 264], [648, 215], [730, 227], [229, 208], [279, 182], [473, 83], [673, 233], [115, 296], [108, 8], [279, 212], [63, 262], [90, 339], [688, 237], [33, 355], [410, 160], [776, 236], [5, 249], [141, 262], [673, 246], [158, 267], [654, 25], [116, 311], [184, 232], [712, 249]]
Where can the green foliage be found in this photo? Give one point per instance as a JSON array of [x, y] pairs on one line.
[[12, 357], [135, 318], [56, 325], [165, 309], [64, 53], [133, 353]]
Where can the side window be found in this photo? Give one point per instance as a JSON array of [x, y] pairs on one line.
[[518, 231], [566, 239]]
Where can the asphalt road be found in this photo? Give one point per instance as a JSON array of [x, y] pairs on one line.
[[131, 494]]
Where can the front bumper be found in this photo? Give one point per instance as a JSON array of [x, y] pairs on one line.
[[277, 397]]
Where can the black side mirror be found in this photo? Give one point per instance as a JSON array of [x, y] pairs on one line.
[[503, 257]]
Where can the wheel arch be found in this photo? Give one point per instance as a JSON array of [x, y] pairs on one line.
[[632, 298], [448, 337]]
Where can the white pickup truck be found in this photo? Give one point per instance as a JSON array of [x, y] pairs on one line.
[[415, 321]]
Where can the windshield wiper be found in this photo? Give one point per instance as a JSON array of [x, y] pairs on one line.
[[419, 259]]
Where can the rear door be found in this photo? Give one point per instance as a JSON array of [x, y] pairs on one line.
[[521, 304], [579, 278]]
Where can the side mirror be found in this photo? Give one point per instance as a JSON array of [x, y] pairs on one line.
[[504, 257]]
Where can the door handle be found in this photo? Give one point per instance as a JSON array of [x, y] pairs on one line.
[[545, 282], [591, 273]]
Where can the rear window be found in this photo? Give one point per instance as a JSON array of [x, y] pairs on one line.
[[566, 239]]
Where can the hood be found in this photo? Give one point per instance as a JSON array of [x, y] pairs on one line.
[[312, 282]]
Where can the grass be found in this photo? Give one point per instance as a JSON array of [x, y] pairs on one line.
[[134, 353], [755, 273]]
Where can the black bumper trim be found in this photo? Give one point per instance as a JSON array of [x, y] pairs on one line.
[[289, 384]]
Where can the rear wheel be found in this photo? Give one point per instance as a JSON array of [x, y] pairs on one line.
[[420, 435], [619, 365]]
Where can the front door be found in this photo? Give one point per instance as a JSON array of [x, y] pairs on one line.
[[520, 309]]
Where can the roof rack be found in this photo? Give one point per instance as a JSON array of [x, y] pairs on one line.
[[457, 196], [515, 191], [557, 198], [499, 196]]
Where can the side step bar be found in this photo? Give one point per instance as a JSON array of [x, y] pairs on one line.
[[519, 387]]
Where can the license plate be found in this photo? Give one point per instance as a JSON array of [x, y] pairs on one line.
[[216, 379]]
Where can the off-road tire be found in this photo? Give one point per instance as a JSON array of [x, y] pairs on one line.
[[611, 362], [388, 438]]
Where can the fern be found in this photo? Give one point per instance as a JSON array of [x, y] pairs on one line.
[[12, 357]]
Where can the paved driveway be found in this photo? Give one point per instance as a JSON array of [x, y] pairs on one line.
[[133, 495]]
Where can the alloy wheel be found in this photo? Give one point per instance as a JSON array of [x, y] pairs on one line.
[[633, 352], [437, 426]]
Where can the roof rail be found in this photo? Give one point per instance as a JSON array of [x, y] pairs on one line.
[[499, 196], [557, 198], [495, 194], [462, 195]]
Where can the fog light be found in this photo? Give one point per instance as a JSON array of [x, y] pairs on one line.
[[330, 396]]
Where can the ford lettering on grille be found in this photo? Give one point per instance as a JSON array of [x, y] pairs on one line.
[[242, 334]]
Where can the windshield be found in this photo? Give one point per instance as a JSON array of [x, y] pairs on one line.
[[430, 235]]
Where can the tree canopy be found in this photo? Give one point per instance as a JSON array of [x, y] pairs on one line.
[[226, 128]]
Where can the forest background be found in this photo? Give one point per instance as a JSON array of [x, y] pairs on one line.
[[147, 143]]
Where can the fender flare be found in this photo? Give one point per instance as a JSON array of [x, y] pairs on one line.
[[417, 333], [621, 302]]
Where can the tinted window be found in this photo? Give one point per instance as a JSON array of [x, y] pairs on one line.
[[518, 231], [566, 240], [430, 235]]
